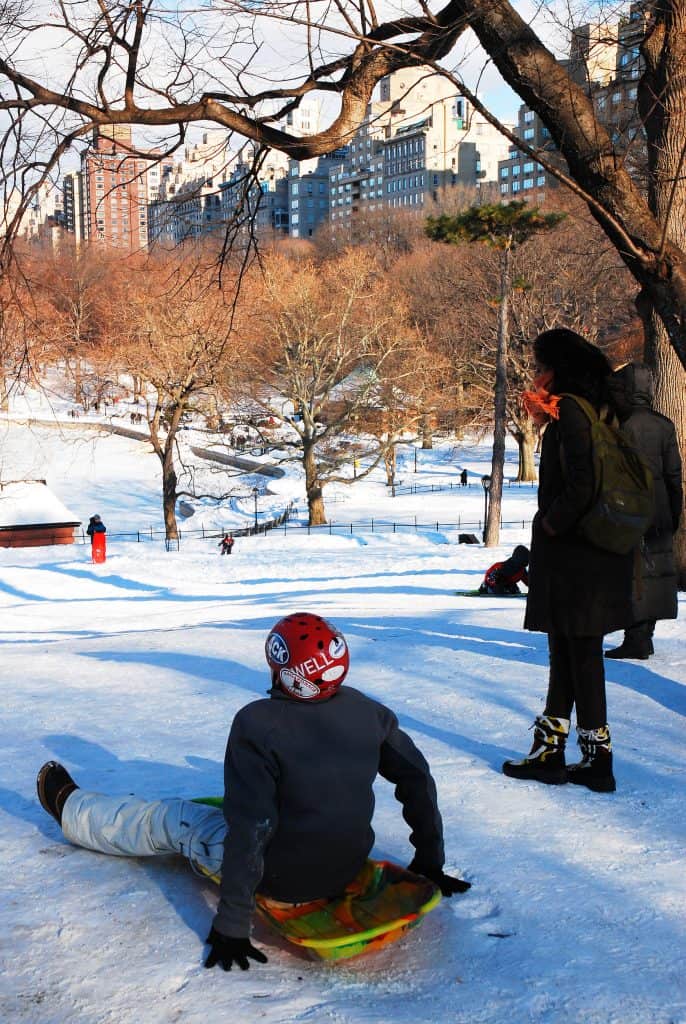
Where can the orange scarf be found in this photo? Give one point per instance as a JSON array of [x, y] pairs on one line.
[[540, 404]]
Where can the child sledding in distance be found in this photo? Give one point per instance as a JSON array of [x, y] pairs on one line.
[[298, 797], [503, 577]]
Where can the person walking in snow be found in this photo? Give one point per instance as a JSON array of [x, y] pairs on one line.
[[577, 592], [503, 577], [226, 544], [298, 794], [654, 436], [463, 478]]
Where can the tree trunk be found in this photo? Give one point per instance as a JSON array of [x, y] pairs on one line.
[[390, 462], [670, 400], [662, 102], [458, 418], [169, 493], [427, 432], [492, 530], [526, 438], [313, 488]]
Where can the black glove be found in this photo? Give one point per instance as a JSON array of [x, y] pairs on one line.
[[226, 951], [446, 883]]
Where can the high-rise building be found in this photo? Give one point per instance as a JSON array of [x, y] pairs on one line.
[[308, 193], [419, 141], [72, 205], [187, 202], [117, 185], [605, 60]]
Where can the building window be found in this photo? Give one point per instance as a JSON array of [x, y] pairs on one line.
[[515, 186], [528, 183], [294, 188], [504, 172], [529, 115], [528, 168], [504, 188], [515, 170], [540, 180], [529, 133]]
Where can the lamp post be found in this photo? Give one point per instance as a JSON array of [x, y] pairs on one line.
[[486, 484], [255, 492]]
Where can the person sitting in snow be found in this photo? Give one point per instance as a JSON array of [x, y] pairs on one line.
[[298, 794], [503, 577]]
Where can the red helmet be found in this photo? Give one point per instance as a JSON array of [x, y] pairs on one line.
[[307, 655]]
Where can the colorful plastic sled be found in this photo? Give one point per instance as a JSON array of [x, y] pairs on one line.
[[378, 907]]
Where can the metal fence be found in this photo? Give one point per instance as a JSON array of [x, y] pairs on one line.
[[431, 488], [290, 528]]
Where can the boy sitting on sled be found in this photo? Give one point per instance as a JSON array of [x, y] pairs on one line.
[[503, 577], [298, 797]]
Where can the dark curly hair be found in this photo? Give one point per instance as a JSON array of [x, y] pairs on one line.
[[579, 367]]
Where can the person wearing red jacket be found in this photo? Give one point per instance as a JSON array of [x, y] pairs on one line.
[[503, 577]]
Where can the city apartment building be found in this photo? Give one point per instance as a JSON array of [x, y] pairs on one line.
[[188, 203], [519, 175], [117, 186], [257, 205], [419, 141], [308, 192], [605, 59]]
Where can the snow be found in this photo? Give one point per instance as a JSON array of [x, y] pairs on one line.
[[130, 671], [31, 503]]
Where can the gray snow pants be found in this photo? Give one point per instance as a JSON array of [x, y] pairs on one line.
[[127, 826]]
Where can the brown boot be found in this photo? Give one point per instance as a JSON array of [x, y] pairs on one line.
[[54, 785]]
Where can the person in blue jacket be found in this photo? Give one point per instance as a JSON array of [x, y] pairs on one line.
[[95, 525], [298, 794]]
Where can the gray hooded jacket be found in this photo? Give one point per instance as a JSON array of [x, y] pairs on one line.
[[654, 436]]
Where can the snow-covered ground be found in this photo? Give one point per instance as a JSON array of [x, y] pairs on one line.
[[130, 672]]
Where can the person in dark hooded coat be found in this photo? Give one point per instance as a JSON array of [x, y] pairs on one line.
[[654, 436], [577, 592]]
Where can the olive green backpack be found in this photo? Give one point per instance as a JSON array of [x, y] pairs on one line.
[[623, 502]]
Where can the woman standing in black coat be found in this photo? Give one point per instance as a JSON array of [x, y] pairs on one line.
[[577, 592]]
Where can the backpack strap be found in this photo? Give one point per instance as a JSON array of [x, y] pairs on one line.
[[583, 404]]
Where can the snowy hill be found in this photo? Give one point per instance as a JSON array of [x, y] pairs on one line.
[[130, 673]]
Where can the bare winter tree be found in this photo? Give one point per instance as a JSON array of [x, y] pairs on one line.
[[503, 227], [178, 337], [161, 66], [333, 357]]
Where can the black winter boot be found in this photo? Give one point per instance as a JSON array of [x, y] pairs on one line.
[[54, 785], [595, 769], [632, 651], [546, 760]]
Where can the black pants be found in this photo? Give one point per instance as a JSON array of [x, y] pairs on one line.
[[577, 678]]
